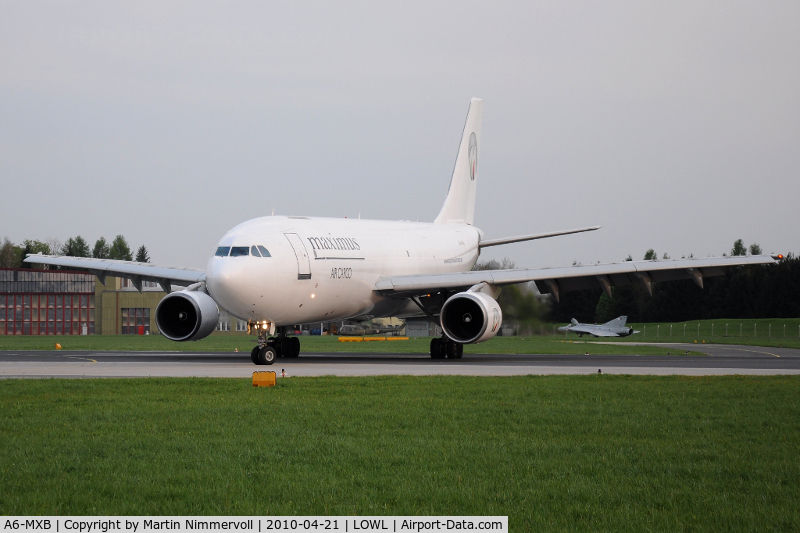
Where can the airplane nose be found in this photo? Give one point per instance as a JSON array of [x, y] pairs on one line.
[[227, 283]]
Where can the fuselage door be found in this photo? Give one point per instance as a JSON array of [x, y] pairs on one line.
[[303, 263]]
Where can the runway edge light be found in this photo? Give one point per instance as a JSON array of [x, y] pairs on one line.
[[264, 379]]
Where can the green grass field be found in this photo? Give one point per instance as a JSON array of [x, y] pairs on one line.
[[590, 453]]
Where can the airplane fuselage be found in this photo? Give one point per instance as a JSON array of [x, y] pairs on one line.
[[323, 269]]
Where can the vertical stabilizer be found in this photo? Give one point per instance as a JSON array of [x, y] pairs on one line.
[[618, 322], [459, 206]]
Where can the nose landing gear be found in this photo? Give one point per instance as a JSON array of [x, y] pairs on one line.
[[263, 354], [280, 346]]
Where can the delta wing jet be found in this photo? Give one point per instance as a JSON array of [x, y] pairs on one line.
[[277, 271], [614, 328]]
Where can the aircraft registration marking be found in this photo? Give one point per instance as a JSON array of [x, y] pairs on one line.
[[341, 273]]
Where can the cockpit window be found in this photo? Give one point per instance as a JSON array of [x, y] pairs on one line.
[[238, 251]]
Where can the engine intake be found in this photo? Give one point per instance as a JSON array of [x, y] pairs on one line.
[[469, 317], [187, 316]]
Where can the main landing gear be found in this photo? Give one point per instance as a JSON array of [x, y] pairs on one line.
[[273, 347], [444, 347]]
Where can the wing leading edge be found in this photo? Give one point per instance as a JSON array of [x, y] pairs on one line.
[[556, 281], [136, 272]]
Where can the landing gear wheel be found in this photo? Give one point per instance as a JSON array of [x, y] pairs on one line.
[[454, 350], [254, 355], [276, 344], [290, 347], [280, 347], [437, 348], [267, 355]]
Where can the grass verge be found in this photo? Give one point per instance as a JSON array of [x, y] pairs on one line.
[[772, 332], [600, 453], [321, 344]]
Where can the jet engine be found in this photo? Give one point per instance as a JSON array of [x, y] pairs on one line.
[[187, 316], [469, 317]]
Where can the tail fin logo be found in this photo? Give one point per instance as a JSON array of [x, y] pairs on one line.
[[473, 156]]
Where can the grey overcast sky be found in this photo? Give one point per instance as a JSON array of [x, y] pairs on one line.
[[674, 125]]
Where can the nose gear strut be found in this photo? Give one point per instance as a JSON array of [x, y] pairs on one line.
[[280, 346]]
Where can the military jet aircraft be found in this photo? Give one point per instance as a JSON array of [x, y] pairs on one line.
[[615, 328]]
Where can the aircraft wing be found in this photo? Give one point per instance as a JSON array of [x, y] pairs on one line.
[[136, 272], [559, 280], [583, 329], [601, 333]]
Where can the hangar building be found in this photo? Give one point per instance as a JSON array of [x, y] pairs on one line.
[[62, 302]]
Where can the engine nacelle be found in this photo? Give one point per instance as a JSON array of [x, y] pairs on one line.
[[187, 316], [469, 317]]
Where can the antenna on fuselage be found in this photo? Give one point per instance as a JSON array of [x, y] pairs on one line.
[[273, 211]]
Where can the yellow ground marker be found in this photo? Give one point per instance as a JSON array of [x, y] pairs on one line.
[[264, 379], [369, 339]]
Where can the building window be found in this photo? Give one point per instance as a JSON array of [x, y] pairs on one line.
[[125, 283], [223, 326], [46, 314], [241, 325], [135, 320]]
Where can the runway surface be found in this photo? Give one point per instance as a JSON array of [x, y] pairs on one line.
[[719, 360]]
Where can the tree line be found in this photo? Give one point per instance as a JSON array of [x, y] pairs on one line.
[[11, 255], [752, 291]]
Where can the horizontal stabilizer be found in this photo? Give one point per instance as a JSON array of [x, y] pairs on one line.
[[509, 240]]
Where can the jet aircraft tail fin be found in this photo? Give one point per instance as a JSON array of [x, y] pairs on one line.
[[459, 205], [618, 322]]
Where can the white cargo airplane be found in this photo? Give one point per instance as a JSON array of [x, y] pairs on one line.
[[279, 271]]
